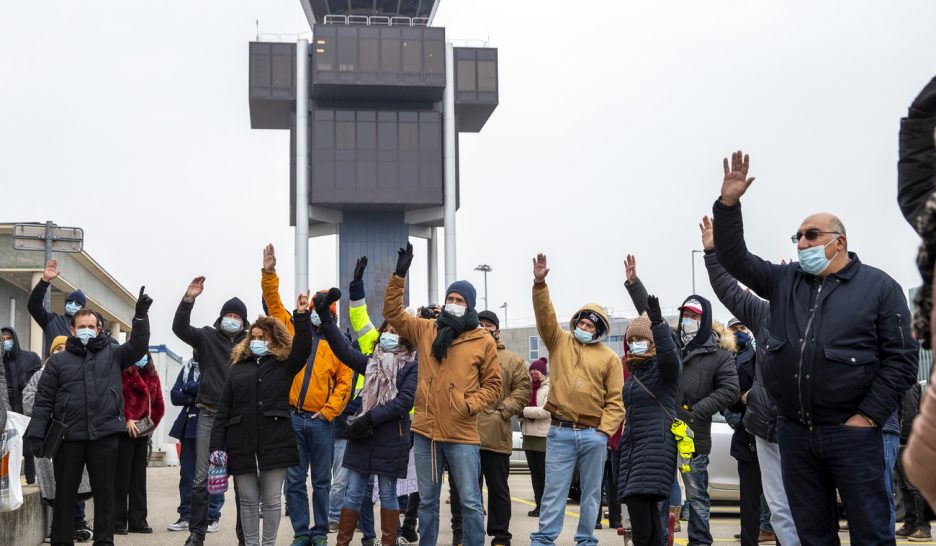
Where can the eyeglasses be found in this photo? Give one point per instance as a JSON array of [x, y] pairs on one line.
[[810, 234]]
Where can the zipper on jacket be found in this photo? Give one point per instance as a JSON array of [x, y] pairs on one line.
[[900, 331], [812, 315]]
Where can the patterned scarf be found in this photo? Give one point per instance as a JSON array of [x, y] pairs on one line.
[[380, 378]]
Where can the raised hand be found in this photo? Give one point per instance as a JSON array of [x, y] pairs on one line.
[[736, 180], [359, 268], [708, 233], [51, 271], [630, 268], [143, 303], [404, 259], [195, 288], [303, 302], [323, 302], [653, 310], [540, 268], [269, 259]]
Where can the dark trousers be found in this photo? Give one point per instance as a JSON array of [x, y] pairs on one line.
[[536, 461], [101, 458], [645, 521], [29, 468], [130, 484], [495, 469], [817, 462], [751, 491], [411, 517], [611, 486], [913, 501]]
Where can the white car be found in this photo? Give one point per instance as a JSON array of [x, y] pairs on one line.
[[517, 457], [724, 484]]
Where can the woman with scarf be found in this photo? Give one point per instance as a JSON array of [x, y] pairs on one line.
[[647, 448], [535, 426], [379, 435], [253, 423], [142, 394]]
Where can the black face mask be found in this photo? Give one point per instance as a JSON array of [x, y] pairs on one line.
[[494, 334]]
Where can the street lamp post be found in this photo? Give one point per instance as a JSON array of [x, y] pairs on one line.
[[694, 252], [504, 307], [485, 268]]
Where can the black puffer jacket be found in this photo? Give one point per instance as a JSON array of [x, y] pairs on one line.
[[742, 442], [213, 347], [82, 386], [839, 345], [19, 366], [253, 423], [647, 448], [709, 381], [760, 416]]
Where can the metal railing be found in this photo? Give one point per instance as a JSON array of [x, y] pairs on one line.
[[376, 20]]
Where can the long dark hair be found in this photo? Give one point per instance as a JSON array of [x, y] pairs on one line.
[[405, 343]]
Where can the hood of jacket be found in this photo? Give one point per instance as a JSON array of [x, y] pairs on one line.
[[598, 310], [279, 345], [12, 354], [705, 325], [724, 337]]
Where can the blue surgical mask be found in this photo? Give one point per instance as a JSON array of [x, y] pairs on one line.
[[71, 308], [258, 347], [315, 318], [742, 338], [689, 326], [85, 335], [638, 347], [813, 259], [142, 362], [389, 341], [7, 345], [231, 325], [583, 336]]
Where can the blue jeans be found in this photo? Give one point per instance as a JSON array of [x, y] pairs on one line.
[[696, 482], [817, 462], [186, 477], [891, 447], [359, 486], [564, 447], [339, 481], [464, 463], [316, 440]]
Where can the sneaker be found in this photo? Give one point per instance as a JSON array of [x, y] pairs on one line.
[[921, 535], [82, 535], [301, 540], [368, 542], [409, 533], [401, 541], [534, 513], [906, 530], [320, 541], [195, 540], [213, 526], [180, 525], [332, 526]]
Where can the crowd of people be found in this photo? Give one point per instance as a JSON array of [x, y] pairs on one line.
[[816, 373]]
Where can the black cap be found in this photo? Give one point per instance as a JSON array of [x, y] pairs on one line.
[[490, 316]]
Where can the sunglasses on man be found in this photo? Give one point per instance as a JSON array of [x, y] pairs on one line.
[[811, 234]]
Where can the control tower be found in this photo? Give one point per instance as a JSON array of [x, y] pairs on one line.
[[374, 104]]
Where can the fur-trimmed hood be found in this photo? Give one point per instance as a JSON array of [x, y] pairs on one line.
[[279, 346], [726, 338]]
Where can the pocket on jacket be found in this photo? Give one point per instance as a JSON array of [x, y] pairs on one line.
[[457, 401], [845, 376], [233, 420]]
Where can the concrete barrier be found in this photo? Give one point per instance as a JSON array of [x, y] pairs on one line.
[[30, 523]]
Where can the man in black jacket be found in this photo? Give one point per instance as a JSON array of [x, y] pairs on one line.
[[53, 324], [837, 361], [81, 387], [214, 346], [708, 385], [19, 366]]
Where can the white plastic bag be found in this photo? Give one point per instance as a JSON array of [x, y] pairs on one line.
[[11, 459]]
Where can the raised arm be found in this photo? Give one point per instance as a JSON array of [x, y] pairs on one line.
[[35, 303], [339, 344], [269, 282], [182, 322], [916, 168], [357, 310], [134, 349], [635, 287], [406, 325], [302, 341], [546, 323], [667, 354], [760, 275]]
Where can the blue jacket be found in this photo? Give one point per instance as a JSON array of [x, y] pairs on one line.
[[184, 393], [647, 448], [386, 452], [838, 345]]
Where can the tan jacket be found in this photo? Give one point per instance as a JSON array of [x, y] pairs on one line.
[[920, 452], [586, 380], [449, 394], [494, 422], [536, 420]]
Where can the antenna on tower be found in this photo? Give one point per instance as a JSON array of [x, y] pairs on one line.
[[258, 29]]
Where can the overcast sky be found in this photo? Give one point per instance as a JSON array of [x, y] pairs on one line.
[[130, 119]]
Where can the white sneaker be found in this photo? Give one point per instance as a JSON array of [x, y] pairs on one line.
[[213, 527], [180, 525]]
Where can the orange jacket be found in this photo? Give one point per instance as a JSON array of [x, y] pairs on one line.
[[330, 384]]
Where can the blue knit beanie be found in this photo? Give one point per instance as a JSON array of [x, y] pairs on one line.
[[78, 297], [465, 290]]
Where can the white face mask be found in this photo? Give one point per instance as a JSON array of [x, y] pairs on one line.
[[455, 309]]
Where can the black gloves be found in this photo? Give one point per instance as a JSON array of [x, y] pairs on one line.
[[924, 105], [322, 303], [653, 310], [34, 446], [359, 268], [362, 427], [404, 259], [143, 303]]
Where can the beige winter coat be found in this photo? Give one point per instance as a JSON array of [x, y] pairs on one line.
[[536, 420], [494, 422]]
